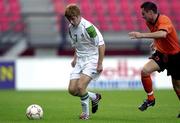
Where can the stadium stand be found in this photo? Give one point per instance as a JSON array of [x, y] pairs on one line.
[[12, 31], [117, 17], [45, 27], [43, 33]]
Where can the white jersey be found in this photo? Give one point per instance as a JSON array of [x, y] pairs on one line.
[[85, 38]]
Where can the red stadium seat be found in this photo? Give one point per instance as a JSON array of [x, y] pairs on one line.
[[14, 8], [10, 14], [87, 8], [58, 6], [104, 23], [2, 8], [99, 7], [164, 7], [4, 24], [118, 15], [112, 7], [72, 1], [117, 23]]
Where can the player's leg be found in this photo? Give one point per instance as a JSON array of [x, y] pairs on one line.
[[148, 68], [95, 98], [74, 78], [91, 70], [174, 71], [72, 88], [82, 85], [176, 86]]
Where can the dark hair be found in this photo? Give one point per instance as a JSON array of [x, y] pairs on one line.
[[149, 6]]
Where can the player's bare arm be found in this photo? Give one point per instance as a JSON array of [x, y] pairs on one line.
[[157, 34], [101, 57]]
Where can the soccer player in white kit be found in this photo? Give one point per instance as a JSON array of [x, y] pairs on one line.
[[88, 58]]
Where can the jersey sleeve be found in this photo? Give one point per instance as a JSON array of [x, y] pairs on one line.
[[95, 35], [165, 24]]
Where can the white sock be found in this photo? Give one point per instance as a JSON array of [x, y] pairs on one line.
[[92, 95], [85, 103]]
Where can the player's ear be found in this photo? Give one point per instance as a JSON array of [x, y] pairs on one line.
[[151, 12]]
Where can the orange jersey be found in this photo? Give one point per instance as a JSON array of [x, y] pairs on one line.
[[170, 44]]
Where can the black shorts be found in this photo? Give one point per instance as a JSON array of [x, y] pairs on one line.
[[169, 62]]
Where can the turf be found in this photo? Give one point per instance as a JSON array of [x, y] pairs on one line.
[[118, 106]]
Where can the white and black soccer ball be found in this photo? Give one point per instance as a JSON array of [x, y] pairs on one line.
[[34, 112]]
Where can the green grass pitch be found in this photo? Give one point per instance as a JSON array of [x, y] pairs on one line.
[[119, 106]]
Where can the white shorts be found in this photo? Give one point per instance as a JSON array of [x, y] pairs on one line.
[[87, 66]]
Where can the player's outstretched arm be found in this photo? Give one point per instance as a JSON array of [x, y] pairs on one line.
[[157, 34]]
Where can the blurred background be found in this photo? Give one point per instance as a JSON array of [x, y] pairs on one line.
[[35, 51]]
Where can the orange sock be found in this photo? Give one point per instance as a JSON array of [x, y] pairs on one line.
[[147, 84], [151, 97]]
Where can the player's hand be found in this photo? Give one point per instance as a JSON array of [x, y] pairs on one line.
[[135, 35], [99, 68], [73, 63]]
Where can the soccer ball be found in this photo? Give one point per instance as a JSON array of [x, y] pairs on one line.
[[34, 112]]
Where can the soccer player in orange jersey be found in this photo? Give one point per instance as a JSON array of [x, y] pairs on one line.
[[166, 51]]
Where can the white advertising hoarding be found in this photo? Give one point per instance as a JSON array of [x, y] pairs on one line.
[[53, 74], [124, 73], [41, 73]]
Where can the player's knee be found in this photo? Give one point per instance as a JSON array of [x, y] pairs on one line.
[[145, 72], [81, 89], [72, 91]]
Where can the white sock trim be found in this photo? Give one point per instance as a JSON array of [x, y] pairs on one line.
[[151, 93]]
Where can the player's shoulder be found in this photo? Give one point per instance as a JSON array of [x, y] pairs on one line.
[[85, 23], [164, 18]]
